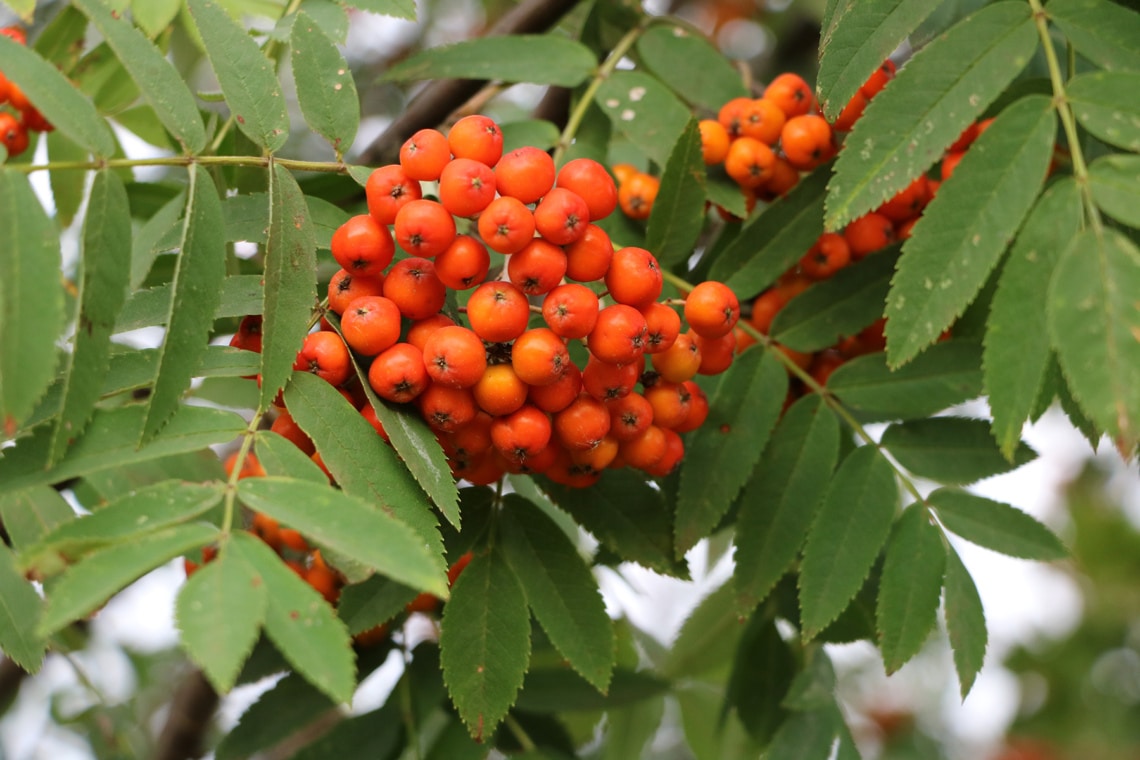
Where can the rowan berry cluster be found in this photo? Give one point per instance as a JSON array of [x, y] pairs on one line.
[[18, 116], [493, 373]]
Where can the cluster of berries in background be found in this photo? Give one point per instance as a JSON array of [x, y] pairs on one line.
[[478, 289], [18, 116]]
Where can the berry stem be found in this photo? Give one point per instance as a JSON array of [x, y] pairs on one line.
[[603, 73], [1065, 111]]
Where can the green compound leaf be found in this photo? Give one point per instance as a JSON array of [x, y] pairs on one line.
[[20, 609], [846, 536], [31, 300], [56, 98], [299, 622], [858, 43], [1107, 104], [627, 515], [691, 65], [1094, 318], [951, 450], [840, 305], [965, 621], [290, 282], [995, 525], [538, 59], [196, 291], [1115, 184], [1102, 31], [102, 292], [350, 526], [910, 587], [148, 509], [775, 239], [358, 458], [246, 76], [679, 210], [325, 88], [781, 499], [485, 643], [219, 614], [560, 690], [31, 512], [154, 15], [292, 703], [86, 585], [371, 602], [1017, 347], [645, 111], [939, 92], [947, 373], [806, 736], [963, 232], [160, 83], [112, 440], [144, 245], [720, 456], [560, 589], [760, 702]]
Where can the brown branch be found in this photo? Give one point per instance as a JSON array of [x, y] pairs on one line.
[[191, 710], [11, 676], [437, 100]]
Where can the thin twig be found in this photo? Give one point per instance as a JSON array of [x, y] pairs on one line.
[[190, 713]]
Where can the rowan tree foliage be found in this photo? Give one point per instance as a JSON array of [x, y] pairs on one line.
[[998, 146]]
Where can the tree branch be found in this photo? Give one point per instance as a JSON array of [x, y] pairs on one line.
[[193, 706], [436, 101]]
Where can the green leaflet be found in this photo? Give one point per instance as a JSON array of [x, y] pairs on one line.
[[485, 643], [85, 586], [943, 88], [156, 77], [20, 609], [782, 497], [350, 526], [538, 59], [405, 9], [299, 622], [965, 621], [947, 373], [645, 111], [1017, 347], [962, 234], [246, 76], [1102, 31], [995, 525], [952, 450], [691, 65], [857, 43], [30, 513], [56, 98], [1115, 183], [679, 210], [846, 536], [1094, 319], [1107, 104], [910, 587], [290, 282], [196, 287], [361, 462], [560, 590], [102, 292], [31, 303], [325, 88], [219, 613], [707, 639]]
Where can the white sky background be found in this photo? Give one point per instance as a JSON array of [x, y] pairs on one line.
[[1024, 601]]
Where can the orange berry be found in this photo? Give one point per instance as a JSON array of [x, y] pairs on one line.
[[345, 287], [562, 216], [867, 234], [388, 189], [878, 79], [521, 434], [424, 228], [558, 395], [605, 381], [424, 155], [325, 355], [464, 264], [712, 309], [749, 162], [538, 267], [637, 194], [592, 183], [762, 120], [619, 335], [499, 391], [525, 173], [570, 310], [539, 356], [630, 415], [588, 258], [413, 286], [371, 324], [398, 374], [583, 424], [446, 409], [506, 225], [851, 112], [664, 325], [476, 137], [498, 311], [634, 277], [466, 187], [827, 256], [807, 141], [422, 329], [681, 361], [791, 94], [455, 357], [714, 141]]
